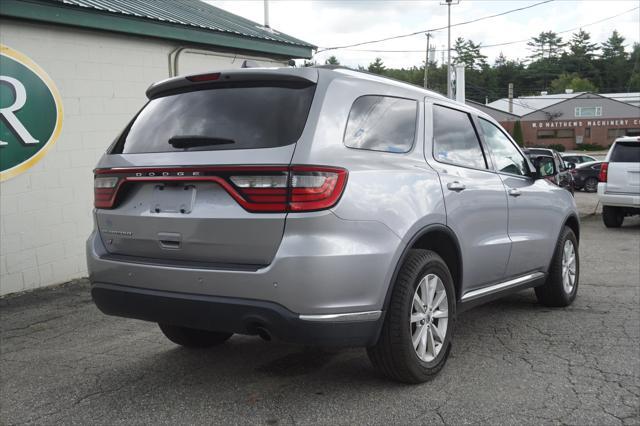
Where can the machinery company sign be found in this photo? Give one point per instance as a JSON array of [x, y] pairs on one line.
[[30, 113], [585, 123]]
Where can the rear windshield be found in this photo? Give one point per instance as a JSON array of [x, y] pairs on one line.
[[240, 117], [626, 152]]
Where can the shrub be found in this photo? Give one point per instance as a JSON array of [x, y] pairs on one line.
[[590, 147], [517, 133], [558, 147]]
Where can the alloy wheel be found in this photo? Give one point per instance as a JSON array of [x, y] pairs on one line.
[[429, 317], [568, 266]]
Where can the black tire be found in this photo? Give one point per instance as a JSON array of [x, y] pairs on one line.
[[394, 355], [612, 216], [591, 185], [193, 338], [553, 292]]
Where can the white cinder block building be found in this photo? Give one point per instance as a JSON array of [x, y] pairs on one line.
[[72, 74]]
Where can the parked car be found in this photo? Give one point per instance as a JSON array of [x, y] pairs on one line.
[[563, 178], [585, 176], [577, 158], [619, 187], [324, 207]]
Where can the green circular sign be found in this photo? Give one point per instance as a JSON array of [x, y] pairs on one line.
[[30, 113]]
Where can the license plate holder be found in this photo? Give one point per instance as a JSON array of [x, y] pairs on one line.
[[173, 199]]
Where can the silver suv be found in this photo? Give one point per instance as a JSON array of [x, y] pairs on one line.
[[619, 187], [322, 206]]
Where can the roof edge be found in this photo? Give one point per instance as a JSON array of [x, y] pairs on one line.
[[579, 95], [35, 10], [492, 108]]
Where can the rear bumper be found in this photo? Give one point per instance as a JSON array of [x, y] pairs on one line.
[[617, 199], [235, 315], [326, 271]]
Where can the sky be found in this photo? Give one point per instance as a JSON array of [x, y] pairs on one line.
[[336, 23]]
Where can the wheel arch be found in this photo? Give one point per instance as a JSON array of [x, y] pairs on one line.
[[443, 241], [573, 222]]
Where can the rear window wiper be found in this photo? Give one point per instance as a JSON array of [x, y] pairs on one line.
[[186, 141]]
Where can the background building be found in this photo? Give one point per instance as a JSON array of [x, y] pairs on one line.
[[570, 119], [101, 56]]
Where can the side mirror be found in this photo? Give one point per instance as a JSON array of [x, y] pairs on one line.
[[545, 167], [571, 166]]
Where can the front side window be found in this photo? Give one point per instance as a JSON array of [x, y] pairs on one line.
[[559, 162], [382, 123], [506, 156], [455, 140]]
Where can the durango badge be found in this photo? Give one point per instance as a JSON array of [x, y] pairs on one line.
[[30, 111]]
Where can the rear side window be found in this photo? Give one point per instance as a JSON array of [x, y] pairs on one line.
[[455, 140], [382, 123], [240, 117], [626, 152]]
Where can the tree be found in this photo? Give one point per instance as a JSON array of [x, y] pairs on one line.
[[377, 66], [548, 45], [579, 57], [614, 47], [614, 66], [468, 53], [517, 133], [573, 82], [332, 60], [580, 46], [634, 80]]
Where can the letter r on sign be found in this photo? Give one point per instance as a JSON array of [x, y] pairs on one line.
[[9, 115]]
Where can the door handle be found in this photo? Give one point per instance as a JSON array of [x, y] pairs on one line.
[[456, 186], [514, 192]]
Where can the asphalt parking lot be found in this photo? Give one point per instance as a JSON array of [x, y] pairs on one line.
[[513, 361]]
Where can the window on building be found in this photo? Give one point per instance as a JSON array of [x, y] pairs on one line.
[[455, 140], [587, 132], [594, 111], [546, 134], [556, 134], [565, 133], [382, 123], [618, 133]]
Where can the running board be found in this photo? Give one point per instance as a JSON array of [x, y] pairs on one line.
[[481, 295]]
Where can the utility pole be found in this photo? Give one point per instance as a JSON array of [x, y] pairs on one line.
[[266, 14], [510, 95], [449, 88], [426, 61]]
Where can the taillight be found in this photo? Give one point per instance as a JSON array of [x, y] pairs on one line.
[[315, 188], [602, 177], [267, 189], [305, 188], [104, 190]]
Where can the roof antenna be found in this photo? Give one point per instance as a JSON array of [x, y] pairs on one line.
[[248, 63]]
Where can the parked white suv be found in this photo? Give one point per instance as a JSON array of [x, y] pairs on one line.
[[619, 187]]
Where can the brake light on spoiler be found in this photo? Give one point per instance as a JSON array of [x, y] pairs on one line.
[[258, 189]]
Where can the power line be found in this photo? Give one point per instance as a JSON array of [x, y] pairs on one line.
[[434, 29], [497, 44]]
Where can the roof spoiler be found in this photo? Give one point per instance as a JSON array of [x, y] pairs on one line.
[[300, 75]]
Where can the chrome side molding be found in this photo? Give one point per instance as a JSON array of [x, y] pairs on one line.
[[346, 317], [474, 294]]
